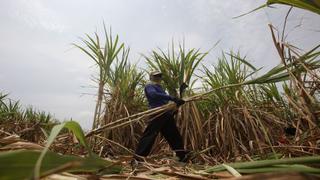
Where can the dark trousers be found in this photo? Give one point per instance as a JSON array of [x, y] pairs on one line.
[[165, 124]]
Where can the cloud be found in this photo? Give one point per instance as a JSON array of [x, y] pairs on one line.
[[36, 15]]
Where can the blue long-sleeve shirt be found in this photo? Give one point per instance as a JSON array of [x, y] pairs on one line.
[[156, 95]]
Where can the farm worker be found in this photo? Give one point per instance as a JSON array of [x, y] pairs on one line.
[[165, 124]]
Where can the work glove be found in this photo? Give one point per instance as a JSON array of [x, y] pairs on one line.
[[182, 88], [178, 101]]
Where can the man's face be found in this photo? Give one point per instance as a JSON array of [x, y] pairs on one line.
[[157, 78]]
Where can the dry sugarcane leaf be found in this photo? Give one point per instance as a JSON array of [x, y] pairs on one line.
[[22, 145], [64, 176], [10, 139], [190, 176], [223, 175], [126, 176]]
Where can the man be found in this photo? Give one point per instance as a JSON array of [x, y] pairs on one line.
[[165, 124]]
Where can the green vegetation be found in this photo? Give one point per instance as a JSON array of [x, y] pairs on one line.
[[23, 164], [309, 5], [278, 165], [11, 110], [28, 123], [103, 57]]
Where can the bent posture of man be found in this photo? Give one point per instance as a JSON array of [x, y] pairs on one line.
[[165, 124]]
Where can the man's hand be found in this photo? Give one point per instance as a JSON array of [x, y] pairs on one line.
[[182, 88], [178, 101]]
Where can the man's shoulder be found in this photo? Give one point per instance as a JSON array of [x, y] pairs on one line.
[[150, 84], [154, 86]]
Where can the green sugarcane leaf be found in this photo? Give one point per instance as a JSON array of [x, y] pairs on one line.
[[266, 163], [243, 61], [282, 168], [72, 126], [21, 163], [309, 5], [232, 170], [256, 9]]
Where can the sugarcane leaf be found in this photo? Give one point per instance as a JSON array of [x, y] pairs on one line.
[[232, 170], [309, 5], [21, 163], [72, 126], [282, 168], [256, 9], [243, 61], [87, 52], [265, 163]]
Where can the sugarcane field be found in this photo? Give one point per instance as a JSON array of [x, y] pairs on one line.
[[150, 90]]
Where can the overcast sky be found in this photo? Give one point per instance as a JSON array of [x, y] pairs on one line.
[[39, 67]]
